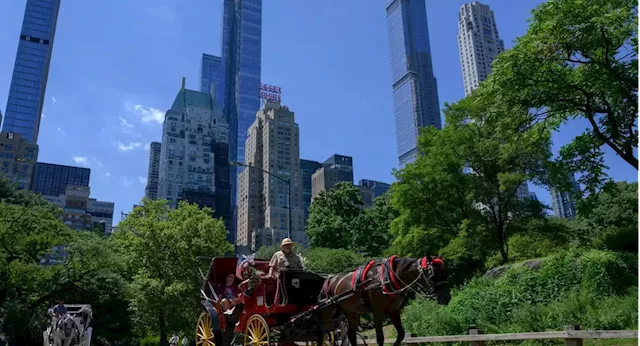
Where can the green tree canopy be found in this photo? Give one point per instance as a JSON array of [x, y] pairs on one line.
[[372, 235], [160, 247], [578, 59], [333, 216], [613, 221], [464, 185], [331, 261], [88, 273]]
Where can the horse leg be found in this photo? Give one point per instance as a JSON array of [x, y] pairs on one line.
[[326, 315], [354, 322], [397, 322], [377, 323]]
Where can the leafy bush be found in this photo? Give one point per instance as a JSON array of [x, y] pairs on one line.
[[594, 289], [331, 261], [150, 340]]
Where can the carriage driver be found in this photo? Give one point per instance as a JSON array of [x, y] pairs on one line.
[[284, 259]]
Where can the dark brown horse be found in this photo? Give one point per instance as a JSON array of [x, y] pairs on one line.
[[381, 288]]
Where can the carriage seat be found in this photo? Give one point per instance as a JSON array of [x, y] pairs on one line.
[[301, 287]]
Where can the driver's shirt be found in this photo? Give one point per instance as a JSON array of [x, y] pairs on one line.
[[60, 310], [281, 261]]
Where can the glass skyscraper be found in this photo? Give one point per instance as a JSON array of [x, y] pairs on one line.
[[211, 73], [415, 93], [52, 180], [31, 69], [241, 63]]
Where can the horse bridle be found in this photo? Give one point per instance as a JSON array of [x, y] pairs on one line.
[[428, 285]]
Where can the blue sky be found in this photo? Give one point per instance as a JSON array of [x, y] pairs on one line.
[[117, 66]]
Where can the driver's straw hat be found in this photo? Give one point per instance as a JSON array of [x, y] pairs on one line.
[[287, 241]]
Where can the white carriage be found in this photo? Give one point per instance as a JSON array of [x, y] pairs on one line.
[[79, 331]]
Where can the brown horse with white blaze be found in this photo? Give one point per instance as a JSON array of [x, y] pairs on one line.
[[381, 288]]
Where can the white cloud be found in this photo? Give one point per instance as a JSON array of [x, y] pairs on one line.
[[81, 160], [60, 131], [147, 114], [42, 115], [108, 174], [142, 180], [126, 182], [130, 146], [125, 125], [147, 146], [98, 162], [53, 99]]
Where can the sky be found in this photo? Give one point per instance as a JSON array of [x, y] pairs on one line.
[[117, 67]]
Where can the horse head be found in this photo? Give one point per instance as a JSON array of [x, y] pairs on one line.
[[434, 279]]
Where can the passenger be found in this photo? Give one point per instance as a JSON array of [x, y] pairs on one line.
[[251, 277], [60, 309], [228, 293], [285, 259]]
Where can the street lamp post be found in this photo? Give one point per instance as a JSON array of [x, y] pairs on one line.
[[288, 181]]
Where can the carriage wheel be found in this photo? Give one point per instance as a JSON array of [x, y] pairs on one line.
[[257, 332], [329, 340], [204, 330]]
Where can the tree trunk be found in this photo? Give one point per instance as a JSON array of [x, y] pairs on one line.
[[163, 334], [502, 241]]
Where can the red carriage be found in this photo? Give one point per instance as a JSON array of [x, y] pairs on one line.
[[281, 310]]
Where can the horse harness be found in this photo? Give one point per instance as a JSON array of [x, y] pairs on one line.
[[388, 281]]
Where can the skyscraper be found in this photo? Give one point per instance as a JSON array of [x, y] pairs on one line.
[[241, 63], [562, 203], [272, 145], [151, 190], [211, 73], [478, 42], [415, 92], [335, 169], [192, 128], [307, 168], [31, 69], [52, 180]]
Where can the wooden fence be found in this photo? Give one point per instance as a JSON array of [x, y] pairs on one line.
[[571, 335]]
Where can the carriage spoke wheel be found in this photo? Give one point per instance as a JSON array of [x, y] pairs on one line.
[[204, 330], [329, 340], [256, 332]]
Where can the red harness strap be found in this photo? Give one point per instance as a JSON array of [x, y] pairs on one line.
[[360, 275], [388, 267]]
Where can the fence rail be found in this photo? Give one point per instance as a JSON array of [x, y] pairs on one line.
[[571, 334]]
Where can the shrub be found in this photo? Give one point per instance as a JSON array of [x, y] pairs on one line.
[[330, 261], [594, 289], [150, 340]]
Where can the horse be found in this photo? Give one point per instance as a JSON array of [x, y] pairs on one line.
[[65, 332], [381, 288]]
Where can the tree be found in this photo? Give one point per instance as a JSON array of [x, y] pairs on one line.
[[160, 247], [466, 179], [333, 216], [577, 60], [332, 261], [89, 273], [372, 237], [613, 222]]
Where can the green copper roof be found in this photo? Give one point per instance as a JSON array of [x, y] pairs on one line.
[[188, 97]]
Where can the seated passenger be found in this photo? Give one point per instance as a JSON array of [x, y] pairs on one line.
[[228, 293], [284, 259], [251, 277]]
